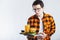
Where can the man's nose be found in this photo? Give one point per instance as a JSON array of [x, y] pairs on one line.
[[36, 11]]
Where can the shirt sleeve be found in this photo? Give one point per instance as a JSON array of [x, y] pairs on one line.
[[52, 31]]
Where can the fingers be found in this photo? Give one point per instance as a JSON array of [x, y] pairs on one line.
[[43, 34]]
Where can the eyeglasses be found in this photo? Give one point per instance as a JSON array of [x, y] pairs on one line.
[[37, 9]]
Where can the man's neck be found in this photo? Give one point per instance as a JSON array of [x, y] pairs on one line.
[[40, 16]]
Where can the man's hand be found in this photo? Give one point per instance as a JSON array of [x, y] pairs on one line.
[[43, 34]]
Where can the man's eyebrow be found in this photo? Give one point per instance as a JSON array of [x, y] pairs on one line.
[[36, 8]]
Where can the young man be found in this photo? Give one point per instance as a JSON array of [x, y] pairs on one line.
[[44, 23]]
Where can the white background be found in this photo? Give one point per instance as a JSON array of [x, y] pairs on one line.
[[14, 15]]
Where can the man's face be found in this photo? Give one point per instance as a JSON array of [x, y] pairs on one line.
[[37, 9]]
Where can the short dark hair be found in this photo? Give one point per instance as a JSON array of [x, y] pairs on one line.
[[36, 2]]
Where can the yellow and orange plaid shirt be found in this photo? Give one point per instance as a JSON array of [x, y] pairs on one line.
[[48, 24]]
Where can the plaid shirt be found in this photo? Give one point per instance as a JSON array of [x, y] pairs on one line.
[[48, 24]]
